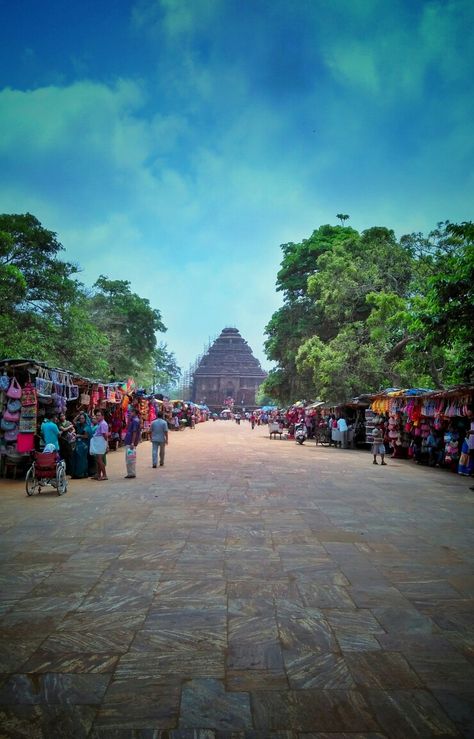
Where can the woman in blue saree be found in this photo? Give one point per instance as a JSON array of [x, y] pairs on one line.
[[83, 428]]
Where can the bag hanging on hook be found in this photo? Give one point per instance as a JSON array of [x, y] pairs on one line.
[[4, 381], [14, 390]]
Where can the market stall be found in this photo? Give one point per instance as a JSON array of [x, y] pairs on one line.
[[31, 390], [429, 426]]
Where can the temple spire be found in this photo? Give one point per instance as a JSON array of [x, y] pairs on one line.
[[228, 370]]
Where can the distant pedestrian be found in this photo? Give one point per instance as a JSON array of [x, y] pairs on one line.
[[159, 439], [132, 439], [378, 447]]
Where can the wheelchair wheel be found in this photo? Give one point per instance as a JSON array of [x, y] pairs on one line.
[[31, 483], [61, 481]]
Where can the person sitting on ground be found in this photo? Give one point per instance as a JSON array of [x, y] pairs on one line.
[[378, 447]]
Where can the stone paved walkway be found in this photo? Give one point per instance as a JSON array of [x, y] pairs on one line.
[[250, 588]]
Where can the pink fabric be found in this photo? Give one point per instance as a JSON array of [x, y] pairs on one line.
[[25, 443]]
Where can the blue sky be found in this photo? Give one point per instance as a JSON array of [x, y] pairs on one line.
[[178, 143]]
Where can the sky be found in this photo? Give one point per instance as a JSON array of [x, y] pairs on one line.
[[178, 143]]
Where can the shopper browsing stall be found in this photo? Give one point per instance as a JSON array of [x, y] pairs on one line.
[[98, 445], [378, 447], [80, 463], [132, 439], [50, 431]]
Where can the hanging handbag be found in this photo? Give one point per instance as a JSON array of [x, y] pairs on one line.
[[43, 382], [11, 435], [14, 391], [85, 399], [4, 382], [72, 391], [11, 416], [6, 425], [14, 405]]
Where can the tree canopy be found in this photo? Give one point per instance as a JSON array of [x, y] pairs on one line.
[[49, 315], [366, 310]]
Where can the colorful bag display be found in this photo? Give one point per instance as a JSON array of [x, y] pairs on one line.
[[43, 383], [14, 390]]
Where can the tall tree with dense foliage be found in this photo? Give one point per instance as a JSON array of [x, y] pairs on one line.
[[161, 373], [298, 318], [35, 285], [443, 316], [366, 311], [128, 321], [47, 314]]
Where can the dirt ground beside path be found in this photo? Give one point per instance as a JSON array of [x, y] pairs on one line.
[[249, 588]]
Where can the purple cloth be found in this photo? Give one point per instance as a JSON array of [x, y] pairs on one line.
[[102, 429], [133, 430]]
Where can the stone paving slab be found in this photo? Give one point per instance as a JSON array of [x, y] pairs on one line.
[[249, 589]]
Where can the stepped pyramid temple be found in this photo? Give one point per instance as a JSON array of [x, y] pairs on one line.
[[228, 370]]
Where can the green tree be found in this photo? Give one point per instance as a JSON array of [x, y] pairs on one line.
[[162, 373], [129, 323], [34, 286], [48, 315], [299, 317], [262, 398], [364, 311], [443, 316]]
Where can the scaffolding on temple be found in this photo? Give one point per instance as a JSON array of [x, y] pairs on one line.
[[186, 386]]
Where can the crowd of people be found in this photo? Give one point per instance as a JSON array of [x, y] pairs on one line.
[[83, 442]]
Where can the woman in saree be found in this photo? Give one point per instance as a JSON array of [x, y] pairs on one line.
[[83, 428], [67, 441]]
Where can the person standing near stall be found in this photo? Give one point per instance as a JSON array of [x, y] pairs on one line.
[[98, 445], [132, 439], [67, 441], [378, 447], [343, 430], [83, 428], [50, 431], [159, 439]]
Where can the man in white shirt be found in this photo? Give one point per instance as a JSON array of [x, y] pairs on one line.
[[342, 427]]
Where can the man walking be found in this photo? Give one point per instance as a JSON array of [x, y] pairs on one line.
[[132, 438], [159, 439]]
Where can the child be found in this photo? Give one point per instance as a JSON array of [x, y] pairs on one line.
[[378, 447]]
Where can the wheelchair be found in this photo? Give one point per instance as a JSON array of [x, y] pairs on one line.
[[47, 469]]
